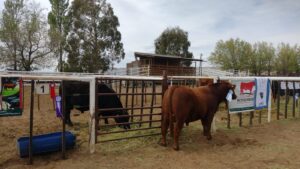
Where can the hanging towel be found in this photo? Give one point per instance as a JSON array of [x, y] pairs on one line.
[[262, 93]]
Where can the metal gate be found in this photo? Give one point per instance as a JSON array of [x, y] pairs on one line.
[[141, 106]]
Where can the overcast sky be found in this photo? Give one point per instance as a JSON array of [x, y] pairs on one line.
[[142, 21]]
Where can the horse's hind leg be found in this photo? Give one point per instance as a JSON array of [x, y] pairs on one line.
[[164, 130]]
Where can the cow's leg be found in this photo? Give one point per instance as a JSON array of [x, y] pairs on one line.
[[164, 130], [208, 126], [178, 126], [204, 124]]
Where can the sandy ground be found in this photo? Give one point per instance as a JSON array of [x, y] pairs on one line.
[[269, 145]]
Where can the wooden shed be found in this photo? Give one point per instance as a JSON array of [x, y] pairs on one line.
[[154, 65]]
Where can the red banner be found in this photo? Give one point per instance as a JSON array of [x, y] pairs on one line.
[[52, 90]]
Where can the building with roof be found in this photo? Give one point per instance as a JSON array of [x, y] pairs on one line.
[[148, 64]]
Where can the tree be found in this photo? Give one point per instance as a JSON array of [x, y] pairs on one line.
[[233, 54], [34, 42], [30, 42], [262, 59], [287, 61], [174, 41], [94, 42], [57, 19], [10, 21]]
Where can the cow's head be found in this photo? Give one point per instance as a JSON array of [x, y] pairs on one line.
[[225, 88]]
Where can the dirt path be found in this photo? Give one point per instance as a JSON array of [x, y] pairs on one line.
[[271, 146]]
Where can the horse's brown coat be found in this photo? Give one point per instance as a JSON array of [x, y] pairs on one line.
[[182, 104]]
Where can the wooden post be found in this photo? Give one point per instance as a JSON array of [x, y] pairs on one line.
[[278, 100], [228, 119], [132, 99], [142, 102], [251, 118], [31, 123], [145, 91], [120, 89], [152, 102], [286, 99], [127, 89]]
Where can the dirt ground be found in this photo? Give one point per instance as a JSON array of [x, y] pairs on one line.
[[272, 145]]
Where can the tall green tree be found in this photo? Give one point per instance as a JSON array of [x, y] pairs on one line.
[[94, 42], [174, 41], [10, 21], [57, 20], [287, 60], [262, 59], [233, 54]]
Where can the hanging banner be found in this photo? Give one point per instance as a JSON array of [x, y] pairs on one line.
[[52, 90], [245, 92], [262, 93], [58, 106], [11, 96], [290, 85]]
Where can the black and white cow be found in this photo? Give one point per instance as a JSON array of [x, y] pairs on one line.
[[77, 96]]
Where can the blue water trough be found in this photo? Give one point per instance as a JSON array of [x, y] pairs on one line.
[[46, 143]]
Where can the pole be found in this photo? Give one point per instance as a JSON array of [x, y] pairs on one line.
[[63, 138], [31, 123], [200, 68]]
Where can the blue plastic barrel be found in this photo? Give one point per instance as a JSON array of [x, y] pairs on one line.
[[46, 143]]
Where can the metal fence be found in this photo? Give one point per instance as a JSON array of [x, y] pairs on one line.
[[141, 99]]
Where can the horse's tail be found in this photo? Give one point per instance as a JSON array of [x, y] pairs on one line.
[[170, 112]]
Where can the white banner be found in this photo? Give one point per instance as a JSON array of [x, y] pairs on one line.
[[245, 91], [290, 85], [262, 93]]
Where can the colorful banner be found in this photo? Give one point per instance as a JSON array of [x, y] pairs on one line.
[[245, 92], [262, 93], [11, 96]]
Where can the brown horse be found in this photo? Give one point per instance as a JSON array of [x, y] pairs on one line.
[[182, 104]]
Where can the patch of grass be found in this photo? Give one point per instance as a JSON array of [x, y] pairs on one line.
[[277, 166]]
